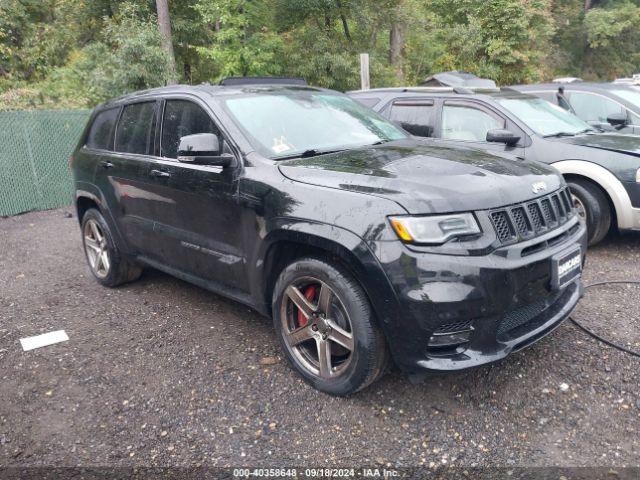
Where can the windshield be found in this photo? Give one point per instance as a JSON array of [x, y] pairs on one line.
[[287, 123], [631, 96], [543, 117]]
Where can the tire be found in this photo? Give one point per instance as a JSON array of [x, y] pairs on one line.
[[593, 206], [104, 259], [349, 313]]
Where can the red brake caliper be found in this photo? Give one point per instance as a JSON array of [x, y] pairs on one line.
[[309, 293]]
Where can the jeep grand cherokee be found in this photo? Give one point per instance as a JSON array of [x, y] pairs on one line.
[[362, 243]]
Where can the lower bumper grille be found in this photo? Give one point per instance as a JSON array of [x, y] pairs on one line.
[[524, 319]]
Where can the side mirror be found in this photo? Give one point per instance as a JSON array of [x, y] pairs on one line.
[[617, 119], [203, 149], [502, 136]]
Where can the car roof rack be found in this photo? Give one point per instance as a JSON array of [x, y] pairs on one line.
[[567, 80], [239, 81], [458, 79]]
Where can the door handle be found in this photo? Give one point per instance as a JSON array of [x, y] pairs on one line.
[[106, 165], [159, 173]]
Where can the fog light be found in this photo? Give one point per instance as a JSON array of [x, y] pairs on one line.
[[449, 339]]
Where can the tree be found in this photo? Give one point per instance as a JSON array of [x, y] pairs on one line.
[[506, 40], [164, 24], [396, 41]]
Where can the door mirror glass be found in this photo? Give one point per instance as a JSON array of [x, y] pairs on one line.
[[202, 149], [617, 119], [502, 136]]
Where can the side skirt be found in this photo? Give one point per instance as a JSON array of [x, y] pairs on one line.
[[212, 286]]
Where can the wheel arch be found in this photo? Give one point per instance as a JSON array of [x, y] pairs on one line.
[[601, 177], [88, 196], [84, 203], [330, 243]]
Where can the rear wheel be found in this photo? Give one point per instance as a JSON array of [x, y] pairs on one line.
[[592, 205], [325, 325], [103, 256]]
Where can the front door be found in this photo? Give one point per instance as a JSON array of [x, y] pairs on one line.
[[195, 206], [595, 109]]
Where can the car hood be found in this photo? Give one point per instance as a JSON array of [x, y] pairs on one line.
[[613, 142], [426, 178]]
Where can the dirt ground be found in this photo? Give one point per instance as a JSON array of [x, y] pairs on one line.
[[160, 372]]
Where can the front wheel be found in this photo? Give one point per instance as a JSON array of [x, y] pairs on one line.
[[325, 325], [592, 205]]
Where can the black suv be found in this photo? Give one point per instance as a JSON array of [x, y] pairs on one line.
[[358, 240], [602, 168]]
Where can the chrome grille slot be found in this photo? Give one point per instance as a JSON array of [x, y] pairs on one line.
[[520, 220], [559, 208], [547, 211], [502, 225]]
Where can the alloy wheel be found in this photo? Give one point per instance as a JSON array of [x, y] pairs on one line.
[[95, 246], [579, 206], [316, 327]]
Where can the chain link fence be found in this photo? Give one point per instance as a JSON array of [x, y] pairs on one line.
[[34, 152]]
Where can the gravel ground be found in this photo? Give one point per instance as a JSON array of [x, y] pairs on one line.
[[162, 373]]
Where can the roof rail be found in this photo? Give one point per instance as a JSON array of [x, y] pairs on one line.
[[458, 90], [237, 81]]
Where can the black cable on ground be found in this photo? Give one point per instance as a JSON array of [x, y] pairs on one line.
[[595, 335]]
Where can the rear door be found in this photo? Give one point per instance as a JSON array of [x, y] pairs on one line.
[[121, 174], [195, 206], [467, 123]]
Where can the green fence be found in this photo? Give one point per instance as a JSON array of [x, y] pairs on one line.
[[34, 152]]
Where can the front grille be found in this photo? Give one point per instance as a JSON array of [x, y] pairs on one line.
[[530, 219]]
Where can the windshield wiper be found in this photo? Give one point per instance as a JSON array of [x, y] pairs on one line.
[[561, 134], [312, 152], [568, 134]]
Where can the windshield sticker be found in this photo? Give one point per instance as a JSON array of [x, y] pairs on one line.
[[280, 145]]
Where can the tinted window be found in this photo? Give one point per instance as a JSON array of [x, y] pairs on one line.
[[102, 129], [134, 133], [593, 108], [181, 118], [416, 118], [467, 123]]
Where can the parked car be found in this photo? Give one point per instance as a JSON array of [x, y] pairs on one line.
[[357, 239], [606, 106], [602, 169]]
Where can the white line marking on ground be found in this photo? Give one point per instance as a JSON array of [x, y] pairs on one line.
[[43, 340]]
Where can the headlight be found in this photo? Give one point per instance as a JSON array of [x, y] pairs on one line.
[[434, 229], [638, 176]]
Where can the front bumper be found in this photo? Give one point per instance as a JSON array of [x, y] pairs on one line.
[[505, 298]]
